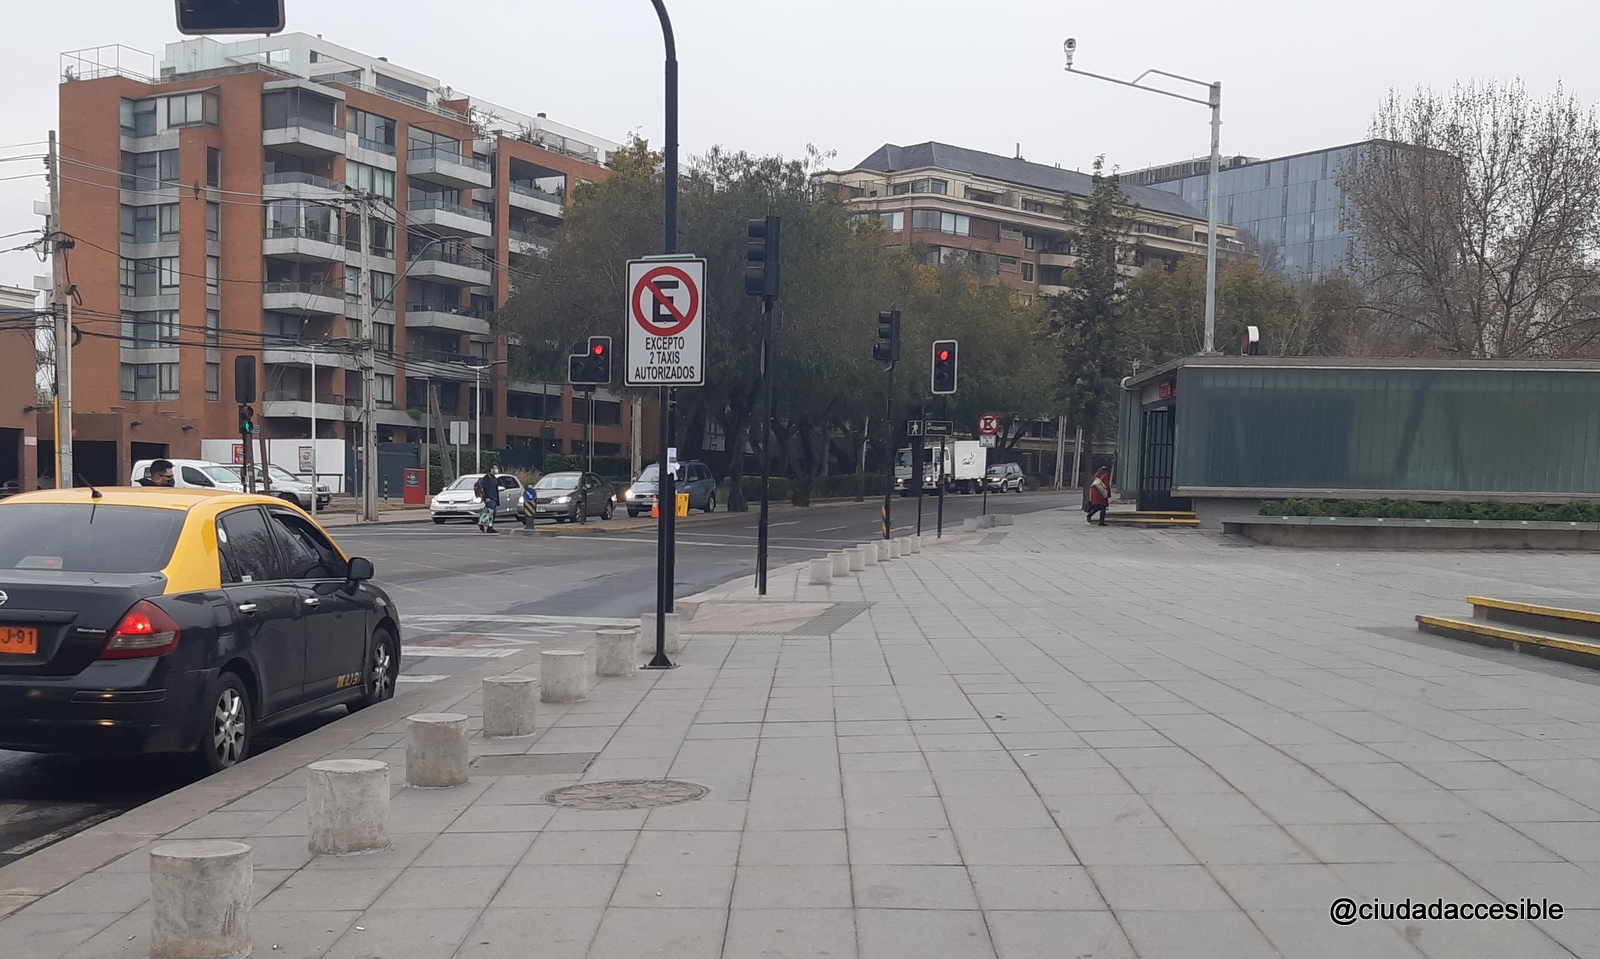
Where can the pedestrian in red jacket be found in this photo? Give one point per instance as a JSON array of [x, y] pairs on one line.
[[1099, 494]]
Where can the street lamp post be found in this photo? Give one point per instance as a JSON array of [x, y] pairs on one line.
[[477, 428], [1214, 101]]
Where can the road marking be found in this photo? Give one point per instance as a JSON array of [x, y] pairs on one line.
[[419, 678], [479, 653], [56, 835], [741, 542], [831, 529], [529, 620]]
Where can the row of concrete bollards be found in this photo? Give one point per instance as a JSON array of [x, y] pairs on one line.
[[987, 521], [857, 558], [200, 891]]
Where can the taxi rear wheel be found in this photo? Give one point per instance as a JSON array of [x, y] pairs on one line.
[[227, 726]]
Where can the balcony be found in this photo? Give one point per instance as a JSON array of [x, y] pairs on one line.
[[282, 351], [305, 137], [446, 217], [297, 296], [302, 244], [297, 404], [422, 316], [1058, 259], [535, 200], [456, 267], [439, 165], [299, 186]]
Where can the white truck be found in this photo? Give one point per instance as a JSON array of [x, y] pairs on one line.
[[965, 462]]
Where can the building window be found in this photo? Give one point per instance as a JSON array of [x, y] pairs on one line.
[[149, 381], [213, 382], [192, 109], [213, 274], [213, 166], [930, 186], [383, 391], [213, 328], [298, 108], [372, 131], [352, 283], [383, 337], [213, 221], [170, 278], [149, 171], [167, 375], [1032, 206], [382, 288], [953, 223], [142, 224], [982, 196], [893, 222], [168, 213], [382, 237], [1029, 241], [369, 179], [149, 330], [1027, 272], [1155, 229], [138, 118]]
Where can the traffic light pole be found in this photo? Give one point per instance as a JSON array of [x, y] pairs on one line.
[[888, 475], [944, 414], [917, 461], [766, 442], [666, 524]]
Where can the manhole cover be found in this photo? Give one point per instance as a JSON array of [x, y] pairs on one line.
[[626, 794]]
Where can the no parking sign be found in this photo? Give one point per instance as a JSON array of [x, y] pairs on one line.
[[666, 333]]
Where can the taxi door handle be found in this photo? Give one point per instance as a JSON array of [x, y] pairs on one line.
[[247, 608], [313, 601]]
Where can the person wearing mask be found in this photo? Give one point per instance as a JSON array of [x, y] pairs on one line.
[[159, 474], [488, 491]]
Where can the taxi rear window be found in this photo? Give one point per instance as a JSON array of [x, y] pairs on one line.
[[84, 538]]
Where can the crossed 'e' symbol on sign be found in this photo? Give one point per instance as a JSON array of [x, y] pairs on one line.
[[662, 285]]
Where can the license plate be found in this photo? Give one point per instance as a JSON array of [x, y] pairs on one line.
[[21, 640]]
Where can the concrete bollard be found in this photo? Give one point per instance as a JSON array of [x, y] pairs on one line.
[[841, 563], [858, 558], [510, 706], [895, 549], [885, 551], [915, 542], [1006, 519], [647, 634], [987, 521], [821, 572], [347, 806], [619, 652], [969, 525], [436, 749], [200, 896], [869, 551], [563, 676]]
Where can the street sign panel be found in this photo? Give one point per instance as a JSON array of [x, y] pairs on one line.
[[666, 332], [938, 428], [458, 433], [913, 427], [988, 424], [986, 440]]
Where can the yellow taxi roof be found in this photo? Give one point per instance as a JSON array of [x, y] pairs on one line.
[[157, 497]]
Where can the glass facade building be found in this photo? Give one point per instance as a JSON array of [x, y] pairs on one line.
[[1291, 206]]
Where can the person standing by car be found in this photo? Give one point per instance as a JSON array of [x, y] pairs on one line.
[[1099, 494], [159, 474], [488, 491]]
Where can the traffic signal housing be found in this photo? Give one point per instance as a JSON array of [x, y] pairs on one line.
[[944, 366], [763, 257], [592, 367], [202, 17], [247, 420], [887, 349]]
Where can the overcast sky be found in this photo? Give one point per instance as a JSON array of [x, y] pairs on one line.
[[851, 75]]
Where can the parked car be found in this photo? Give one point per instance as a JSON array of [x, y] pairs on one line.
[[569, 497], [179, 620], [1003, 476], [458, 501], [202, 474], [694, 478]]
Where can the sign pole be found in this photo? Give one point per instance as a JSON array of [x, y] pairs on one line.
[[766, 442], [665, 526], [888, 473], [918, 463], [944, 411]]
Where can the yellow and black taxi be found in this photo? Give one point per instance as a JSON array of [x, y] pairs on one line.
[[178, 620]]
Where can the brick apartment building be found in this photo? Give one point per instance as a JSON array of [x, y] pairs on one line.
[[287, 198], [1013, 218], [23, 419]]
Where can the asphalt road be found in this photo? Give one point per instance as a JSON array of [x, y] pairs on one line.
[[465, 597]]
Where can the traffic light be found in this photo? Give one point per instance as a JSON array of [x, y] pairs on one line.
[[944, 366], [200, 17], [247, 420], [600, 360], [763, 257], [244, 379], [887, 349]]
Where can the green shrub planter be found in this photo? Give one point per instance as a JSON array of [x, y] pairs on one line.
[[1450, 510]]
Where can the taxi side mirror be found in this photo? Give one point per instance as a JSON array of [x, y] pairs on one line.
[[360, 570]]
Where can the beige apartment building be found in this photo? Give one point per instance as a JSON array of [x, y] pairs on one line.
[[291, 199], [1011, 217]]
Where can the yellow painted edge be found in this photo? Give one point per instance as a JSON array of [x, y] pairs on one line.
[[1535, 609], [1510, 635], [1114, 518]]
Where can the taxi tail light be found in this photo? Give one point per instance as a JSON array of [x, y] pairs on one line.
[[145, 630]]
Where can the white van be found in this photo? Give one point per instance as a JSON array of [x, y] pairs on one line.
[[202, 474]]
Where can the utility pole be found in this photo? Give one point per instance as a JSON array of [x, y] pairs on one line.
[[61, 318], [666, 524], [369, 375], [1061, 448]]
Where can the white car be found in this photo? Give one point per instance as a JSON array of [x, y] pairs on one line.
[[458, 501], [201, 474]]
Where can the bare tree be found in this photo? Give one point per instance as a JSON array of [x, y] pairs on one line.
[[1478, 215]]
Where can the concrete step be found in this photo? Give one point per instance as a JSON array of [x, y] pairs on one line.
[[1553, 645], [1573, 616], [1152, 519]]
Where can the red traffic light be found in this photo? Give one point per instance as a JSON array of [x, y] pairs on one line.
[[599, 349], [944, 355]]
